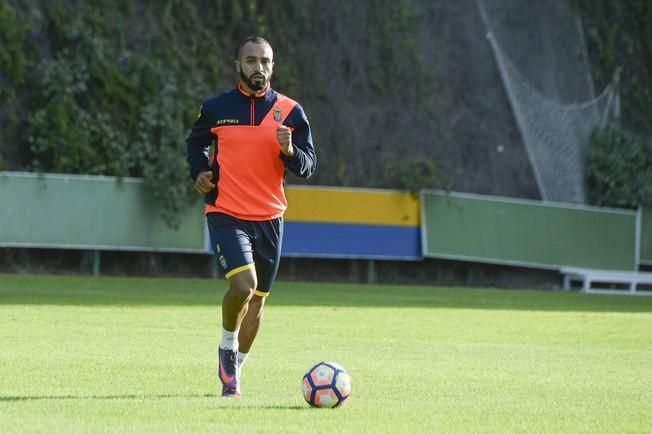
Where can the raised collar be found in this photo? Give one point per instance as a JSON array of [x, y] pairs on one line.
[[260, 94]]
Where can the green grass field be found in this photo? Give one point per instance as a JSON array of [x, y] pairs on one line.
[[138, 355]]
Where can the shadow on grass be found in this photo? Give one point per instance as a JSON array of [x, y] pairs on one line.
[[146, 397], [282, 407], [99, 397], [132, 291]]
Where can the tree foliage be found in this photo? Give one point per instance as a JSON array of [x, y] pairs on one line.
[[112, 87], [619, 38], [400, 93], [619, 169], [94, 88]]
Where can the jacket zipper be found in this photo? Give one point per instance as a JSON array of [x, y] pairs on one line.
[[252, 114]]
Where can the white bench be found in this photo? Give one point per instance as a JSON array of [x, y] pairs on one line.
[[630, 281]]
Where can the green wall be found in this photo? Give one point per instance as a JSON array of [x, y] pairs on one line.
[[530, 233], [101, 213], [645, 255], [72, 211]]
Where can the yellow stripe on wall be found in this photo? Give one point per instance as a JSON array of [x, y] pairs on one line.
[[347, 205]]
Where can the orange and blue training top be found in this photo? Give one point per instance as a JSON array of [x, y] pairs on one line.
[[247, 164]]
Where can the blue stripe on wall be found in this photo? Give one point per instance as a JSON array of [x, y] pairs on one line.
[[336, 240]]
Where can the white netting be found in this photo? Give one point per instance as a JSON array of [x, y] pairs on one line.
[[555, 128]]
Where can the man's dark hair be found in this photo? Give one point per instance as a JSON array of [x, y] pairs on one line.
[[254, 39]]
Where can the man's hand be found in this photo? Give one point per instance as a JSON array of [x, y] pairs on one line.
[[203, 182], [284, 136]]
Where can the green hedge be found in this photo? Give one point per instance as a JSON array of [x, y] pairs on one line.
[[103, 87], [112, 87], [619, 35], [619, 169]]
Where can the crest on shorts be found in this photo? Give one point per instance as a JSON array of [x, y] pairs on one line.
[[278, 114], [220, 256], [222, 261]]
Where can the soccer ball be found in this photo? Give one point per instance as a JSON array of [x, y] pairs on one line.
[[326, 385]]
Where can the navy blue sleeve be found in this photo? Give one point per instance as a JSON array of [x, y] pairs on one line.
[[198, 144], [304, 161]]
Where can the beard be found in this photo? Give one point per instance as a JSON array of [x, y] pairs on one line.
[[257, 83]]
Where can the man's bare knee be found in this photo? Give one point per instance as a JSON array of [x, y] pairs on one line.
[[243, 284]]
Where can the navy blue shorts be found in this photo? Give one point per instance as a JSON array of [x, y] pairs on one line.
[[241, 244]]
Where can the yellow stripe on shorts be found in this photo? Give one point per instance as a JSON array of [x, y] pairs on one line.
[[237, 270]]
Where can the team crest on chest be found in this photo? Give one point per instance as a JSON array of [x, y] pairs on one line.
[[278, 114]]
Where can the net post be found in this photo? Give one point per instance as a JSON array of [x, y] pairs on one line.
[[96, 263], [371, 271]]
